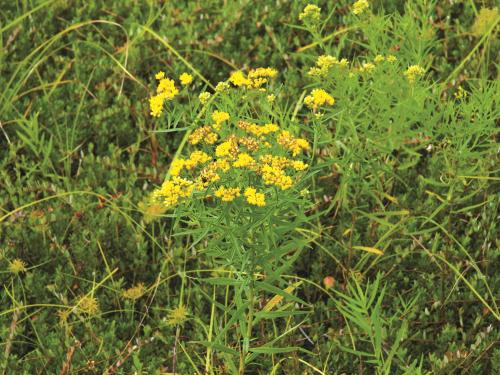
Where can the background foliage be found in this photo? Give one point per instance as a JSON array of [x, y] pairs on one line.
[[79, 152]]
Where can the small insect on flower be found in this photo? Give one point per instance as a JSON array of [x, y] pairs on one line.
[[204, 97], [177, 316], [360, 6], [135, 292], [414, 72], [17, 266], [185, 79], [310, 14]]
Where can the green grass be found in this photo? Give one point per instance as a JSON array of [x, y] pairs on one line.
[[406, 171]]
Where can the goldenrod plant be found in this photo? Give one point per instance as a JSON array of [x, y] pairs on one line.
[[249, 187]]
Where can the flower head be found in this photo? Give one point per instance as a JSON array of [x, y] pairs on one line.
[[204, 97], [310, 14], [177, 316], [88, 305], [360, 6], [135, 292], [227, 194], [414, 72], [255, 198], [185, 79], [17, 266], [318, 98], [219, 117]]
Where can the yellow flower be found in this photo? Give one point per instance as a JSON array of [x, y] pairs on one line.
[[222, 86], [204, 97], [256, 129], [244, 160], [227, 148], [186, 79], [173, 191], [295, 145], [255, 198], [177, 316], [176, 167], [378, 59], [367, 67], [17, 266], [219, 117], [414, 72], [88, 305], [135, 292], [227, 194], [239, 79], [167, 88], [391, 58], [360, 6], [196, 158], [318, 98], [461, 93], [156, 105], [275, 176], [324, 63], [299, 165], [160, 75], [262, 73], [311, 13], [204, 134], [271, 98]]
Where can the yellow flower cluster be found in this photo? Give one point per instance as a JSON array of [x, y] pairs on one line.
[[256, 78], [165, 91], [256, 129], [219, 118], [174, 190], [367, 67], [381, 58], [185, 79], [17, 266], [310, 14], [204, 134], [227, 194], [414, 72], [289, 142], [233, 159], [318, 98], [324, 63], [88, 305], [244, 160], [135, 292], [204, 97], [360, 6], [255, 198]]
